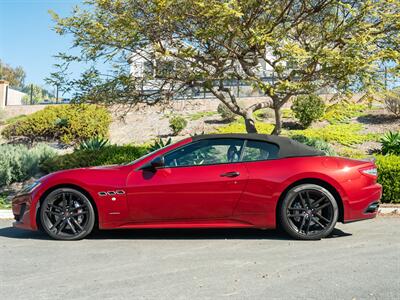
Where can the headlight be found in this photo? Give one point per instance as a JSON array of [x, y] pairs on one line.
[[30, 187]]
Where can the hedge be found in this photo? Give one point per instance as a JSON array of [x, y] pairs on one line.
[[109, 155], [389, 177], [18, 162], [66, 123]]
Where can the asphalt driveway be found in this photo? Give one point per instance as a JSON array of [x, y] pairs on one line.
[[360, 261]]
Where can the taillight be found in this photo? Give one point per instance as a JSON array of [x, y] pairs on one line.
[[371, 171]]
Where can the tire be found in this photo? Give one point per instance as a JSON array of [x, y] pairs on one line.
[[67, 214], [308, 212]]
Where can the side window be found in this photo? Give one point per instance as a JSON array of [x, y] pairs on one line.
[[205, 152], [257, 150]]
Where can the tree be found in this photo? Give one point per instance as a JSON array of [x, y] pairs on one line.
[[37, 94], [308, 45], [15, 76]]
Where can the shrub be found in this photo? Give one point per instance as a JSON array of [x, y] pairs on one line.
[[109, 155], [225, 113], [66, 123], [392, 102], [389, 177], [343, 111], [344, 134], [177, 124], [308, 109], [316, 143], [391, 143], [4, 202], [95, 143], [18, 162], [158, 144]]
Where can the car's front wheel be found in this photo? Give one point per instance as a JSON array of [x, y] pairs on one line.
[[67, 214], [309, 212]]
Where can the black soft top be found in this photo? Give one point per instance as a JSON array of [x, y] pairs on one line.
[[287, 146]]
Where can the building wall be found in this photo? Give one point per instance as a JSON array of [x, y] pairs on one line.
[[14, 97]]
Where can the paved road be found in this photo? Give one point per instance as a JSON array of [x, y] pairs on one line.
[[360, 261]]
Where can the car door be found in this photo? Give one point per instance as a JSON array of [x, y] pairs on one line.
[[264, 177], [201, 180]]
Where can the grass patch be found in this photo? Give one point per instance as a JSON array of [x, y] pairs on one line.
[[342, 112], [351, 153], [14, 119], [239, 127], [344, 134], [202, 114], [287, 113]]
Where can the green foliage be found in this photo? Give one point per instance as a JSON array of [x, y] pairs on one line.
[[12, 120], [316, 143], [389, 177], [109, 155], [66, 123], [177, 124], [392, 102], [391, 143], [287, 113], [344, 134], [95, 143], [308, 108], [18, 162], [201, 114], [225, 113], [351, 153], [4, 202], [159, 143], [343, 111], [239, 127]]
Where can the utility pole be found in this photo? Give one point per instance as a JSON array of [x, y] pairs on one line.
[[57, 93], [31, 93]]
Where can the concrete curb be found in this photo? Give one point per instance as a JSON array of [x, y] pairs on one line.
[[389, 209], [6, 214]]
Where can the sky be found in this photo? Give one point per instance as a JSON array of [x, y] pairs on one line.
[[27, 38]]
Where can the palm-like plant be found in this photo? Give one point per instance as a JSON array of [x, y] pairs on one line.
[[95, 143], [158, 144], [391, 143]]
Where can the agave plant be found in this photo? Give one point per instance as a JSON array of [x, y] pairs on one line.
[[95, 143], [158, 144], [391, 143]]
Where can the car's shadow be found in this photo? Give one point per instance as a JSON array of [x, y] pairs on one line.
[[169, 234]]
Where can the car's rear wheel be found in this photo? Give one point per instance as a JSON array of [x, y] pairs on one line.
[[67, 214], [309, 212]]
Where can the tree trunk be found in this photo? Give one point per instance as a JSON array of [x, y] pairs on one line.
[[278, 122], [249, 122]]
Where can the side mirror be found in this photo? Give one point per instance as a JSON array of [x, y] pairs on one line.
[[154, 164], [158, 162]]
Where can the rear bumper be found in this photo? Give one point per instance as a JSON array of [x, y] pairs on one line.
[[365, 206], [22, 210]]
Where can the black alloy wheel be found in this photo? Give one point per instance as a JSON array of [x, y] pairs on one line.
[[309, 212], [67, 214]]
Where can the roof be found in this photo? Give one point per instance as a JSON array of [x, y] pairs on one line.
[[287, 146]]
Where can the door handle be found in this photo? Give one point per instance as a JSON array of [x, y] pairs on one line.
[[230, 174]]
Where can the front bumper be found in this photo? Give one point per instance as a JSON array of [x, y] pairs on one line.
[[22, 210]]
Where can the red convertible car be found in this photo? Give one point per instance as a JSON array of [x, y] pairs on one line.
[[207, 181]]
